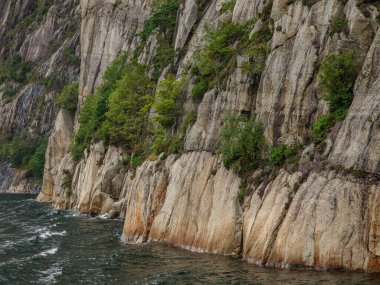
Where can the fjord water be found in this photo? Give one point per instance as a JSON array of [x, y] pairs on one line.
[[41, 245]]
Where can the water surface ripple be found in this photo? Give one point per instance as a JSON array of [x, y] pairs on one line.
[[41, 245]]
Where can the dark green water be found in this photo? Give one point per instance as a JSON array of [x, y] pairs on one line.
[[40, 245]]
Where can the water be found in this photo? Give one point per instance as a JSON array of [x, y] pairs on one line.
[[40, 245]]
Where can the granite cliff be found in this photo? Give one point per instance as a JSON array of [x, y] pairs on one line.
[[320, 209]]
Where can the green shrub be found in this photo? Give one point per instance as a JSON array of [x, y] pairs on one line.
[[242, 192], [279, 154], [167, 103], [200, 87], [69, 57], [336, 80], [52, 82], [321, 128], [36, 163], [228, 6], [9, 93], [42, 8], [219, 47], [339, 25], [162, 20], [241, 143], [68, 98], [222, 44], [126, 120], [175, 144], [162, 58], [132, 161], [23, 152], [95, 107], [14, 69]]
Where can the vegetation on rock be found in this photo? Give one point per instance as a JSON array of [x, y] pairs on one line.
[[336, 81], [68, 98], [241, 143], [23, 152]]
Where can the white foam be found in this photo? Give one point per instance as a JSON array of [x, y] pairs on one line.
[[103, 217], [51, 273], [48, 234], [48, 252]]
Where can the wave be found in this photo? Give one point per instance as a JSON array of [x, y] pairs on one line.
[[47, 234], [48, 252], [51, 274]]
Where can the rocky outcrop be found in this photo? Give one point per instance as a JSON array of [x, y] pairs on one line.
[[107, 28], [358, 141], [329, 222], [190, 203]]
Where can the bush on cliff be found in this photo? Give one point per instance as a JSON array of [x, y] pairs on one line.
[[280, 153], [93, 111], [241, 143], [336, 81], [24, 152], [68, 98], [126, 121], [162, 20], [222, 44], [14, 69]]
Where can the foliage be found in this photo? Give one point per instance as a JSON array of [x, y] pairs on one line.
[[257, 51], [162, 20], [228, 6], [338, 25], [199, 89], [36, 163], [280, 153], [42, 8], [26, 153], [162, 58], [223, 43], [69, 57], [14, 69], [9, 92], [241, 143], [126, 119], [188, 119], [68, 98], [321, 128], [51, 82], [242, 192], [132, 161], [167, 102], [93, 112], [336, 79]]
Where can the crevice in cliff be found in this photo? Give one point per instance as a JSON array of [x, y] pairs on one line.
[[273, 237]]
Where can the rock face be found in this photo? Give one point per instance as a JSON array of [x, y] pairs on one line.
[[323, 213], [330, 222], [45, 37]]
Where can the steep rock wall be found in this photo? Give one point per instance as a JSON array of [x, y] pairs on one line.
[[314, 217]]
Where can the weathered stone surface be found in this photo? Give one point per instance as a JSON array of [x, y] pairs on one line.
[[358, 142], [190, 203], [107, 28], [57, 159], [330, 223]]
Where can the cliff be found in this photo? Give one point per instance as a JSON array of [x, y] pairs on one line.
[[317, 208]]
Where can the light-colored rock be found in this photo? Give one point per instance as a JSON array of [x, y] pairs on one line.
[[195, 207], [330, 223], [358, 142]]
